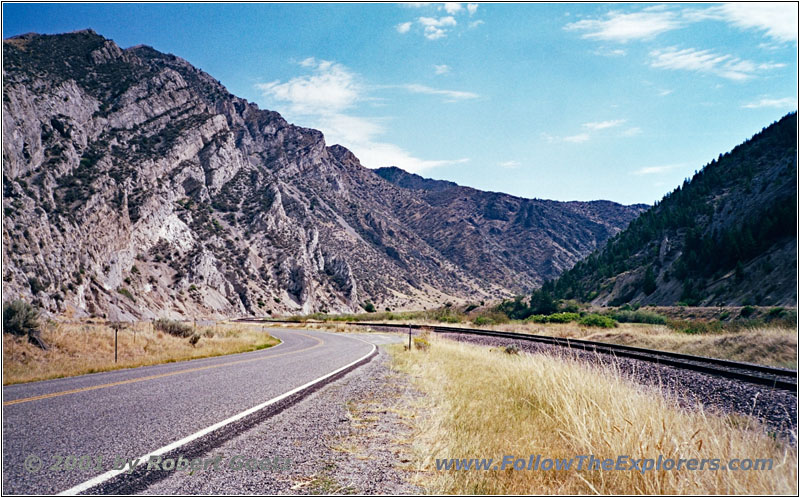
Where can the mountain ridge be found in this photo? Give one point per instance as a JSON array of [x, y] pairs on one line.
[[728, 236], [135, 185]]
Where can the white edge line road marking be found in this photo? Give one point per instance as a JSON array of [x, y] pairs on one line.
[[177, 444]]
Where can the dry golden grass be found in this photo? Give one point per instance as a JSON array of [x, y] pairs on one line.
[[486, 404], [766, 345], [81, 348]]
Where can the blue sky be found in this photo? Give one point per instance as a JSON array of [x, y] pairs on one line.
[[555, 101]]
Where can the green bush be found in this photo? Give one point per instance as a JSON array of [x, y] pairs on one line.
[[421, 343], [537, 319], [20, 318], [639, 316], [483, 320], [563, 317], [369, 307], [173, 327], [747, 311], [570, 306], [595, 320], [775, 313], [449, 319]]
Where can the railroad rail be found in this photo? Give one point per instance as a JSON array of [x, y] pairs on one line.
[[774, 377]]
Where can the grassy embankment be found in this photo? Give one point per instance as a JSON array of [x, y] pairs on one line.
[[487, 404], [765, 340], [81, 348]]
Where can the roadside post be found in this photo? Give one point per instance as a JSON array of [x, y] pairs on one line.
[[115, 325], [409, 338]]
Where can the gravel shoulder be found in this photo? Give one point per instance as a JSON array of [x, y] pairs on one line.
[[350, 437]]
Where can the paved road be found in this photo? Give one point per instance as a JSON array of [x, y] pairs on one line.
[[129, 413]]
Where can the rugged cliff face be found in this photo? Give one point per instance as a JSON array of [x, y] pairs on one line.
[[135, 185]]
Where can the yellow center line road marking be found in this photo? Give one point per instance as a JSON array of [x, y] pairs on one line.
[[168, 374]]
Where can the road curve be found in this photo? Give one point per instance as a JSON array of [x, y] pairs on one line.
[[129, 413]]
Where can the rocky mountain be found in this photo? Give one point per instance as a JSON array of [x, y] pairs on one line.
[[727, 237], [135, 185], [502, 236]]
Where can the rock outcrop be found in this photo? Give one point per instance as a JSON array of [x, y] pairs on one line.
[[135, 185]]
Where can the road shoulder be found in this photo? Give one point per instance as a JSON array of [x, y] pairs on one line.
[[349, 437]]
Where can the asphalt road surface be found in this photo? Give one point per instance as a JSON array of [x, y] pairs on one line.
[[133, 412]]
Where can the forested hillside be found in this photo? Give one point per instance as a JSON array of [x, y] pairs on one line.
[[727, 236]]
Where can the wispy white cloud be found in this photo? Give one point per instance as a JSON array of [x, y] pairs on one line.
[[664, 92], [441, 19], [452, 7], [452, 95], [436, 28], [776, 20], [656, 170], [441, 68], [577, 139], [623, 27], [631, 132], [330, 88], [325, 99], [602, 125], [784, 103], [709, 62], [509, 164], [607, 52]]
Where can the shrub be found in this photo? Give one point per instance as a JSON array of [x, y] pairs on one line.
[[421, 343], [36, 285], [563, 317], [595, 320], [774, 313], [639, 316], [194, 340], [125, 292], [369, 307], [537, 319], [570, 306], [20, 319], [172, 327], [747, 311], [483, 320], [511, 349]]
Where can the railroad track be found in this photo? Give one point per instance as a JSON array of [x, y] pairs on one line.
[[774, 377]]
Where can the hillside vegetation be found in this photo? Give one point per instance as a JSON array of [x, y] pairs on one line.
[[726, 237]]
